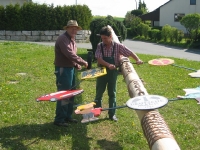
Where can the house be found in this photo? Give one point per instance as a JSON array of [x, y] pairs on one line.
[[171, 13], [7, 2]]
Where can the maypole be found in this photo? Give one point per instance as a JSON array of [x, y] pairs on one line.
[[154, 127]]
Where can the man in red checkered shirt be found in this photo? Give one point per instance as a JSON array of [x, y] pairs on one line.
[[107, 54]]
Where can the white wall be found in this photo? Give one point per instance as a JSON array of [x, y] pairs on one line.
[[177, 6]]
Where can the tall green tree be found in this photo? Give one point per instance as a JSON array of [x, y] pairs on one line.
[[192, 24], [128, 19], [134, 25], [142, 7], [137, 12]]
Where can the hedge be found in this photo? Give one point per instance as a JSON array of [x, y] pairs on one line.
[[33, 16]]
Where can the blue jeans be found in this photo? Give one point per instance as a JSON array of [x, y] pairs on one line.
[[65, 80]]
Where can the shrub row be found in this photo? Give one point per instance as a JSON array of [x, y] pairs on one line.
[[33, 16], [166, 33]]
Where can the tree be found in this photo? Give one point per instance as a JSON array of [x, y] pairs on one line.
[[192, 24], [137, 12], [142, 7], [134, 25], [128, 18], [98, 23]]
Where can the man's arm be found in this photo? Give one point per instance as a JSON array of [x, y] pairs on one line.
[[128, 53], [136, 58]]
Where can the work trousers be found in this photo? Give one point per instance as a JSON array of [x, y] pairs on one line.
[[108, 80]]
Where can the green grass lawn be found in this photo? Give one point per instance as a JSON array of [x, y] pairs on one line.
[[27, 125]]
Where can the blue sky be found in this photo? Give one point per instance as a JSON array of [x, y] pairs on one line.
[[115, 8]]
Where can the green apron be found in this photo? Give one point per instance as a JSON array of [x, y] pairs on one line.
[[108, 80]]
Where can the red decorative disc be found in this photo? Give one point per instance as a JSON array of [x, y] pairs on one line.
[[60, 95], [161, 61]]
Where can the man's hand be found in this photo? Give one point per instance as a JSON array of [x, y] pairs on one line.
[[86, 64], [139, 62], [111, 67], [78, 67]]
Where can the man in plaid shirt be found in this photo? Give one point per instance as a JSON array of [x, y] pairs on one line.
[[107, 54]]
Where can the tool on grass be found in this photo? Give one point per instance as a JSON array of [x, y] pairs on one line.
[[161, 62], [195, 74], [97, 111], [85, 111], [191, 93], [167, 61], [60, 95], [145, 102]]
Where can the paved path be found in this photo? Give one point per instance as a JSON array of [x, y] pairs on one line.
[[148, 48], [162, 50]]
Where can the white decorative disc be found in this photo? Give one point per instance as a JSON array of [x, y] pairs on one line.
[[147, 102]]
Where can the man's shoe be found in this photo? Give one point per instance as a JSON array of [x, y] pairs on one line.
[[63, 124], [71, 120], [113, 118]]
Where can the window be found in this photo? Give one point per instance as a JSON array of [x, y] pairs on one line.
[[192, 2], [178, 17]]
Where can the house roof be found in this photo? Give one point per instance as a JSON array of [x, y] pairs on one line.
[[154, 15]]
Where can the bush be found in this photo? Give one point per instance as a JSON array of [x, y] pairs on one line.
[[165, 32], [2, 18], [155, 34], [172, 34], [98, 23], [130, 33], [143, 30], [178, 35], [156, 27]]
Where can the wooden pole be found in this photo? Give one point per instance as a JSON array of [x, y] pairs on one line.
[[155, 129]]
